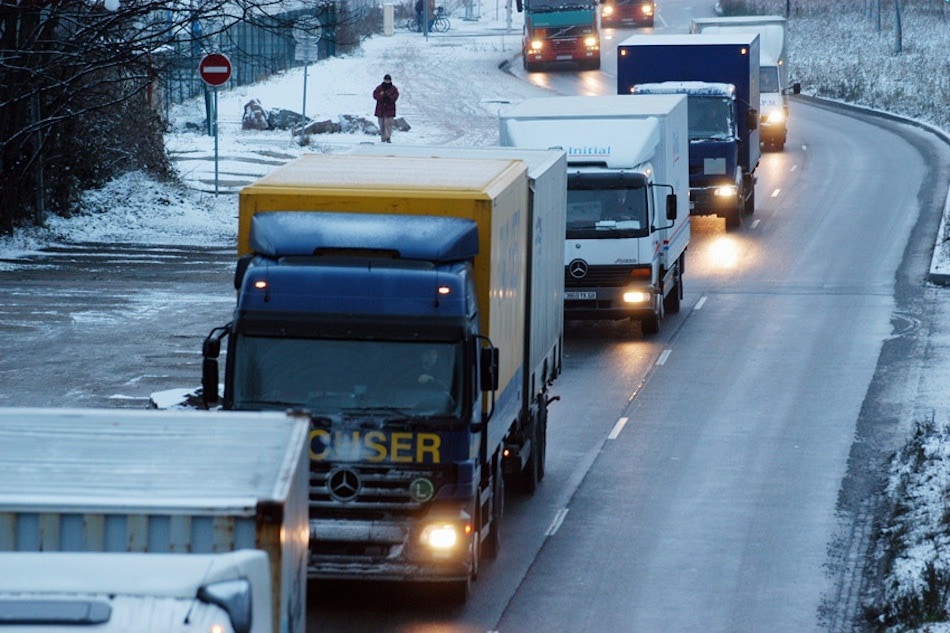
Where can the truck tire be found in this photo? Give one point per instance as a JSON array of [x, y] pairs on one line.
[[750, 201], [734, 216], [534, 468], [459, 590], [671, 303], [493, 543], [651, 324]]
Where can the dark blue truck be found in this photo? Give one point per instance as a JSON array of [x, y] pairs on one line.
[[720, 76]]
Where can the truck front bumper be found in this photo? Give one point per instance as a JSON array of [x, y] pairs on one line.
[[394, 550], [609, 303], [717, 200]]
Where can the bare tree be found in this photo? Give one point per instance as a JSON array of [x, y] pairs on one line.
[[76, 80]]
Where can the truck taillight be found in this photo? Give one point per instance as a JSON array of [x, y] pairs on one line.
[[444, 290], [260, 284]]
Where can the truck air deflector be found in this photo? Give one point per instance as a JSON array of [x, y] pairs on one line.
[[430, 238], [356, 290]]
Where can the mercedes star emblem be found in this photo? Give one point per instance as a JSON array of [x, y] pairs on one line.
[[577, 269], [343, 484]]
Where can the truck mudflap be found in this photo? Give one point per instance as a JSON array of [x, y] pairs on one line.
[[397, 550]]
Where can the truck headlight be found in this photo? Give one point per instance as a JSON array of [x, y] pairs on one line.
[[443, 537], [775, 116], [536, 45], [607, 10], [647, 9], [590, 41], [636, 296], [726, 191]]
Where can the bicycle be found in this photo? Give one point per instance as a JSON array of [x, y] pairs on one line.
[[440, 24]]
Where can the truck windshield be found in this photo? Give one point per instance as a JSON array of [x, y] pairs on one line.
[[710, 118], [609, 213], [768, 79], [335, 376], [558, 5]]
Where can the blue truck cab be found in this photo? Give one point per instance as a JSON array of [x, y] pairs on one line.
[[720, 76], [381, 345]]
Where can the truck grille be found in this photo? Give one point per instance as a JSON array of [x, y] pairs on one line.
[[370, 492], [564, 45], [600, 276]]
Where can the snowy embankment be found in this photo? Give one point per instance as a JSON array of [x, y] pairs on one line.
[[840, 55]]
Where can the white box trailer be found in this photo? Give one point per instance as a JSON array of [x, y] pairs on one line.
[[160, 484], [622, 258], [774, 86]]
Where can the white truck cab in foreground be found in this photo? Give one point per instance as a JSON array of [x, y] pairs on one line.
[[58, 592]]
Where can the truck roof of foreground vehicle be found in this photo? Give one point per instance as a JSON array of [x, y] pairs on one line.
[[78, 459]]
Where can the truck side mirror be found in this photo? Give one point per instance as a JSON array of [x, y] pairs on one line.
[[210, 350], [671, 207], [519, 4], [752, 120], [209, 381], [796, 88], [489, 368]]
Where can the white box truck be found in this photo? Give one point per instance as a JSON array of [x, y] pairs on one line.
[[627, 201], [774, 86], [130, 519]]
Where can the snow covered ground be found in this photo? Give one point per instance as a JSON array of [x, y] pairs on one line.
[[841, 58]]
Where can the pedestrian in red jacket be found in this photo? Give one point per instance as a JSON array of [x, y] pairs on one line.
[[386, 94]]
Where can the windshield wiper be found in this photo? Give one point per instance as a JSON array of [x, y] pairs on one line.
[[378, 409], [277, 404]]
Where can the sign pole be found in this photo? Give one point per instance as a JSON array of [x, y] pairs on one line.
[[215, 70], [215, 141]]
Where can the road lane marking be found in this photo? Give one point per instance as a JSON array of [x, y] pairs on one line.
[[755, 223], [699, 304], [775, 193], [556, 523], [615, 432], [663, 357]]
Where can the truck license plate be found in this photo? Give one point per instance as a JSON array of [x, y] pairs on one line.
[[576, 295], [563, 58]]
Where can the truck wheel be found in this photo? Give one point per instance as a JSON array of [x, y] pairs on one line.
[[734, 217], [542, 438], [750, 201], [493, 542], [531, 475], [460, 590], [671, 303], [651, 324]]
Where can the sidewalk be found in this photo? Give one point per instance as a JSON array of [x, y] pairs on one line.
[[426, 73]]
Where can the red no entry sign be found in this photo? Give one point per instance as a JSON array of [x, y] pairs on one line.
[[215, 69]]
